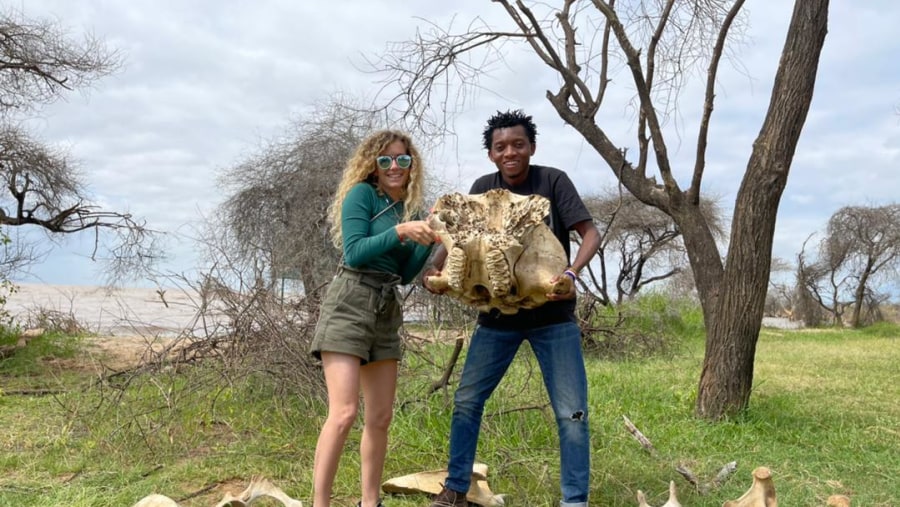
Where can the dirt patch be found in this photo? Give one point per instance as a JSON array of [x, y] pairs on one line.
[[104, 353]]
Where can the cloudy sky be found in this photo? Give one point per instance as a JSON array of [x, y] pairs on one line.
[[205, 81]]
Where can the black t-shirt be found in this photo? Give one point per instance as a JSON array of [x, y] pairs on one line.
[[566, 210]]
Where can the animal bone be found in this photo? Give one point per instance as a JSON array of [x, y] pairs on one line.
[[431, 482], [761, 492], [838, 501], [156, 501], [258, 488], [500, 253], [671, 502]]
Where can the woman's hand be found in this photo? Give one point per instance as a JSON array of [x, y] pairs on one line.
[[418, 231]]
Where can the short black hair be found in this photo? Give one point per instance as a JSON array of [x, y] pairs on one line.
[[507, 120]]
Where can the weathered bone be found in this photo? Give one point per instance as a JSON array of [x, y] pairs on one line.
[[838, 501], [761, 492], [431, 482], [156, 501], [671, 502], [500, 253], [257, 489]]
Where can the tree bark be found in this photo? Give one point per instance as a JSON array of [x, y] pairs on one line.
[[733, 329], [860, 294]]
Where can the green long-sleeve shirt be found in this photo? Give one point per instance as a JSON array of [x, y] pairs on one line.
[[374, 244]]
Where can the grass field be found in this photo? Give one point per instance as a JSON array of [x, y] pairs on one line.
[[824, 417]]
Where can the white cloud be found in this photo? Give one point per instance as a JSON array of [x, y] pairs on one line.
[[204, 81]]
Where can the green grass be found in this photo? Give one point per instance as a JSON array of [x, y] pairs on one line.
[[824, 417]]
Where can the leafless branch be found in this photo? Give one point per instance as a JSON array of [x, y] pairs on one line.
[[39, 61], [709, 96]]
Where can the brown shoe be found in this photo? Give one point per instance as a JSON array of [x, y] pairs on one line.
[[449, 498]]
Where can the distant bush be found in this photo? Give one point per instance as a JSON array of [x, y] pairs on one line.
[[881, 330], [7, 288], [54, 321], [652, 324]]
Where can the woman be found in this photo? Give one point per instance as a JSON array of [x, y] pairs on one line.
[[376, 222]]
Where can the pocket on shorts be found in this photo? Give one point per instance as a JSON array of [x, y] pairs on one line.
[[348, 308]]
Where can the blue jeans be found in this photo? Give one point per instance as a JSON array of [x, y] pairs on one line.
[[557, 348]]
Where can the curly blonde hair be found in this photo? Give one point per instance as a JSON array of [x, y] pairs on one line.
[[361, 167]]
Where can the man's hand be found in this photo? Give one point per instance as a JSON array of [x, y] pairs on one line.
[[563, 287]]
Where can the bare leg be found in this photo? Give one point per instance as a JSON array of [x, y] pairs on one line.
[[342, 381], [379, 386]]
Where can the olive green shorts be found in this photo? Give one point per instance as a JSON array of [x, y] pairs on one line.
[[360, 316]]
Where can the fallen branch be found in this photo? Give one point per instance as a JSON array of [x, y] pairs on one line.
[[645, 442], [444, 381], [518, 409], [701, 487], [689, 476], [723, 475], [704, 488], [32, 392], [202, 491], [153, 470]]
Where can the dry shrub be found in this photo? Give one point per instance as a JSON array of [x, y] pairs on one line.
[[647, 326], [272, 338], [54, 321], [436, 311], [245, 349], [252, 333]]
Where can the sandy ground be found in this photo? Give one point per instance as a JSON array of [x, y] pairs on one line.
[[127, 324], [120, 312]]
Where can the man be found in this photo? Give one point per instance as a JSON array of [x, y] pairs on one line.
[[551, 329]]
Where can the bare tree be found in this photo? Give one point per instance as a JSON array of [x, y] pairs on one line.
[[780, 301], [659, 42], [277, 209], [806, 306], [862, 244], [874, 237], [39, 63], [643, 242], [826, 279]]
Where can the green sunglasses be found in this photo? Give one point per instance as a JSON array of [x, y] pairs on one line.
[[384, 162]]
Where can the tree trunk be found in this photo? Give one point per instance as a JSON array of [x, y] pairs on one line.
[[861, 294], [703, 254], [733, 326]]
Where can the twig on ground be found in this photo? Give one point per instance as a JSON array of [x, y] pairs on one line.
[[32, 392], [644, 441], [153, 470], [444, 381], [701, 487]]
